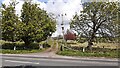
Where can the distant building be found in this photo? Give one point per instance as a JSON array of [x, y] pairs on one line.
[[70, 35]]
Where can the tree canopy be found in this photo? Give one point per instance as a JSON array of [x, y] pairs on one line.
[[96, 20], [9, 22], [34, 24]]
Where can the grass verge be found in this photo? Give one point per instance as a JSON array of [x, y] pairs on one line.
[[7, 51], [112, 54]]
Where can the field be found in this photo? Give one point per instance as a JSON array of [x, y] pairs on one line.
[[108, 50], [99, 45]]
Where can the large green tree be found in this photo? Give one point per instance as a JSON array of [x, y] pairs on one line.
[[118, 22], [0, 23], [9, 22], [36, 24], [95, 20]]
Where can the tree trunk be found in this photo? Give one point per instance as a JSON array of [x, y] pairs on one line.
[[90, 44], [89, 47], [91, 39], [61, 48], [27, 43]]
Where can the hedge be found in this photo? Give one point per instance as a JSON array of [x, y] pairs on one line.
[[20, 45]]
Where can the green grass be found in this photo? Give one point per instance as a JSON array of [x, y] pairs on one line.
[[110, 50], [7, 51], [112, 54]]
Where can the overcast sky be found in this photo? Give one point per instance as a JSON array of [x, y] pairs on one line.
[[68, 7], [57, 7]]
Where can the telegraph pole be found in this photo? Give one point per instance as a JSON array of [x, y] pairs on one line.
[[62, 26]]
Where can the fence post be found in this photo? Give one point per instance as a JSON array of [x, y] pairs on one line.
[[83, 49], [14, 47]]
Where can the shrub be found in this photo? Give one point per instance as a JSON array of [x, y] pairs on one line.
[[8, 45], [34, 46], [19, 45], [45, 45]]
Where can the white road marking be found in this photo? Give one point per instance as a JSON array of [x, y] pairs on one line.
[[21, 61]]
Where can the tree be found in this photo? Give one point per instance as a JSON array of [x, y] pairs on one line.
[[118, 21], [96, 19], [9, 22], [0, 23], [36, 24]]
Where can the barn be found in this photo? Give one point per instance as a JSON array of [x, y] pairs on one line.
[[70, 35]]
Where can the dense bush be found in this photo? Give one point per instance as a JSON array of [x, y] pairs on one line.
[[8, 45], [21, 45], [45, 45]]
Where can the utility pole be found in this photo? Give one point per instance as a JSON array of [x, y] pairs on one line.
[[62, 26]]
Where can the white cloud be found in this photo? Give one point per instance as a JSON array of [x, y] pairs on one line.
[[18, 6], [41, 4], [57, 7], [61, 7]]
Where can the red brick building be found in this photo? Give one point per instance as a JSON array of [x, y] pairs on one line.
[[70, 35]]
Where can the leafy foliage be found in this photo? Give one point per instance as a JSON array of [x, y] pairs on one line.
[[96, 19], [9, 22], [36, 24]]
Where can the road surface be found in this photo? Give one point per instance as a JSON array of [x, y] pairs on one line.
[[32, 61]]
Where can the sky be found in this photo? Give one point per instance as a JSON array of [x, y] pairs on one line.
[[57, 7]]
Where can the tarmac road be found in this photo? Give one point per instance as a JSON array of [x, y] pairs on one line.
[[41, 61]]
